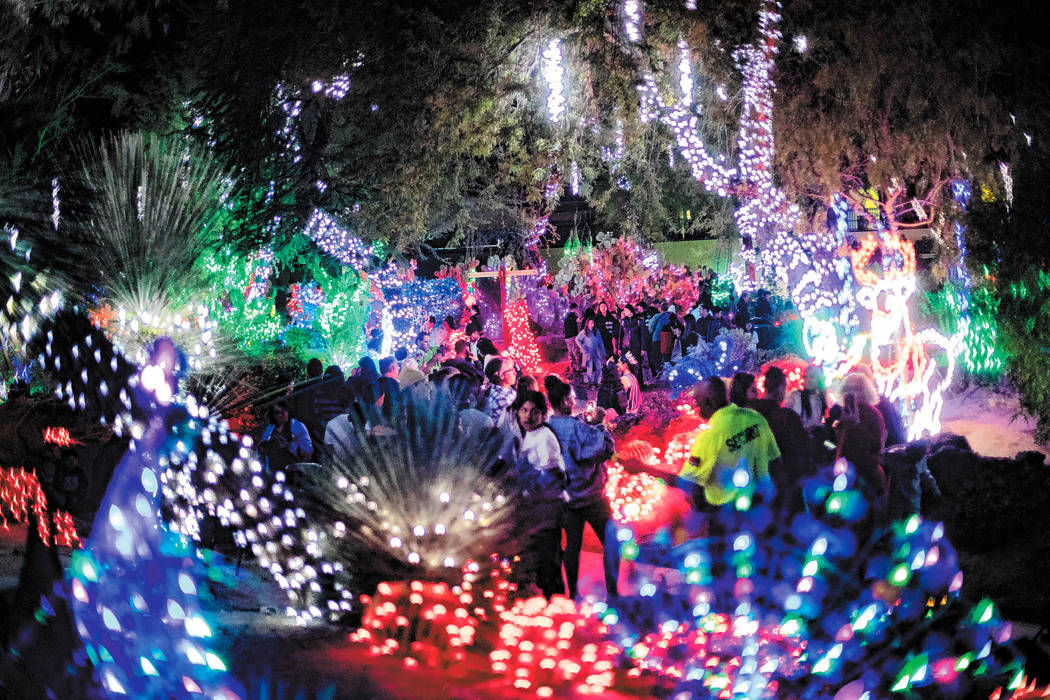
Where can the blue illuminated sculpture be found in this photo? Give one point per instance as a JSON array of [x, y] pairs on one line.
[[134, 585], [817, 604]]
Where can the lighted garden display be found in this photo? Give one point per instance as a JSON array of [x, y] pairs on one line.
[[612, 349]]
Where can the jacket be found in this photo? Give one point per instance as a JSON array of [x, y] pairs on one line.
[[584, 449], [541, 469]]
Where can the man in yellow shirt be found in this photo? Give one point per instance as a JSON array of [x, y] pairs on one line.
[[735, 435]]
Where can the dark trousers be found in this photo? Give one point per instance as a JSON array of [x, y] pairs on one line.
[[599, 515], [543, 552], [655, 359]]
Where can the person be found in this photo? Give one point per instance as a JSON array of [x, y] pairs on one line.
[[670, 335], [609, 328], [387, 386], [465, 392], [633, 402], [792, 439], [705, 326], [526, 382], [811, 401], [593, 351], [486, 349], [375, 341], [737, 436], [364, 385], [440, 333], [304, 402], [655, 327], [284, 440], [411, 381], [741, 317], [423, 338], [571, 328], [742, 390], [502, 376], [632, 334], [585, 447], [542, 481], [891, 417], [611, 386], [860, 434], [344, 433], [474, 323], [461, 359], [473, 338]]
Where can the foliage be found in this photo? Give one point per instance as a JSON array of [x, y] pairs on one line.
[[1009, 239], [249, 318], [982, 355], [732, 350], [903, 95], [155, 205], [623, 270], [155, 202], [75, 69], [1026, 330]]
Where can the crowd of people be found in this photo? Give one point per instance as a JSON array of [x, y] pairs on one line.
[[555, 446], [552, 449], [649, 334]]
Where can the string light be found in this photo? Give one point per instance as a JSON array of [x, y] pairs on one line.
[[59, 435], [547, 647], [56, 203], [633, 497], [303, 303], [632, 11], [749, 615], [337, 241], [685, 72], [22, 494], [522, 344], [134, 588], [910, 376], [435, 624], [554, 74]]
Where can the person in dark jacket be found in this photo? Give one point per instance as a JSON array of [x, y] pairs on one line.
[[611, 386], [365, 384], [741, 317], [571, 328], [608, 326], [304, 398], [632, 336], [284, 440], [387, 385], [791, 438], [584, 448], [706, 324]]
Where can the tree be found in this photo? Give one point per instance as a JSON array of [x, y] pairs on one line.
[[1011, 245], [896, 99]]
